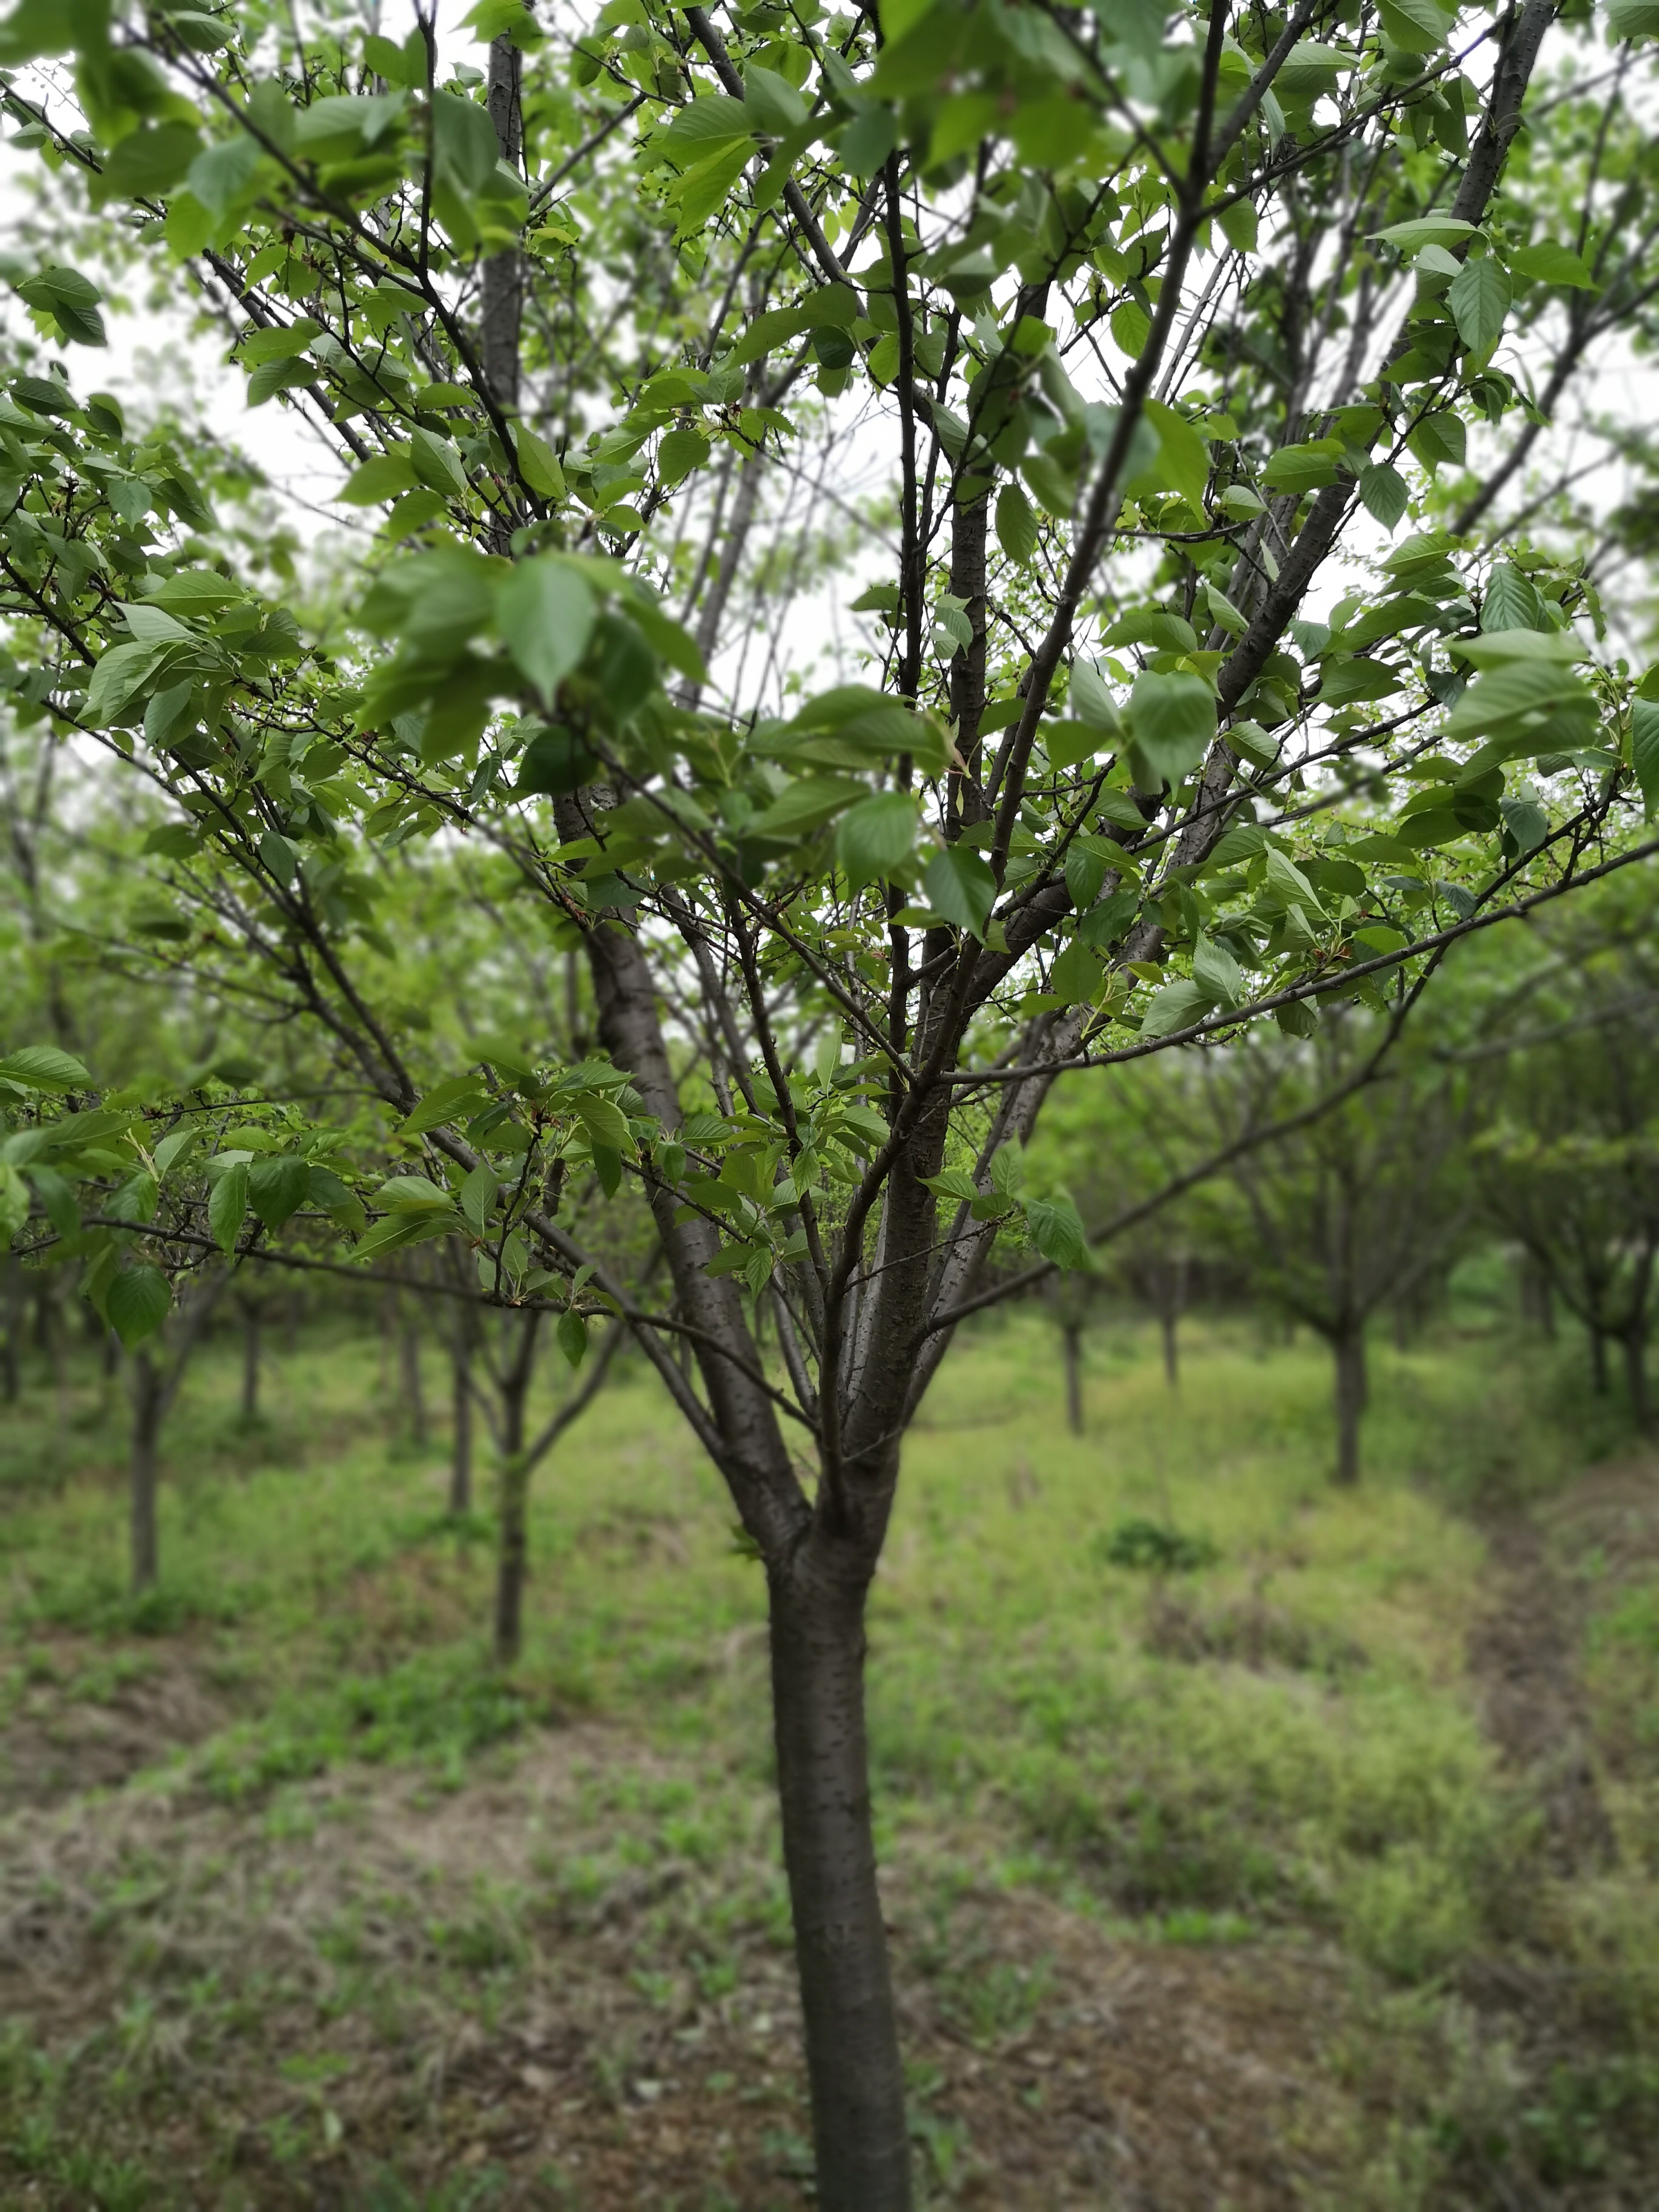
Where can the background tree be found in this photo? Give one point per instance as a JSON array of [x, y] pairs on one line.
[[1350, 1212]]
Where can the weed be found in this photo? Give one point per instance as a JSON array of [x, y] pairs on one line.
[[1148, 1547]]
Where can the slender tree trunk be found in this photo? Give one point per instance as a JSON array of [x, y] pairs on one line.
[[460, 1460], [251, 1319], [1349, 1347], [147, 1406], [1598, 1352], [514, 1558], [1170, 1322], [409, 1353], [1071, 1338], [840, 1944], [14, 1326]]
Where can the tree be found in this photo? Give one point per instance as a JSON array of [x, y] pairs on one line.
[[1351, 1209], [1178, 298], [1567, 1164]]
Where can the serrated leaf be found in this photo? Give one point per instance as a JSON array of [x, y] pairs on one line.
[[877, 837], [1017, 524], [44, 1067], [456, 1098], [137, 1302], [1383, 492], [962, 889], [1644, 751], [276, 1188], [679, 452], [1478, 298], [1176, 1006], [227, 1206], [1077, 973], [1057, 1231]]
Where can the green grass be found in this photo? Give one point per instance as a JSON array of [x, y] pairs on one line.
[[1276, 1738]]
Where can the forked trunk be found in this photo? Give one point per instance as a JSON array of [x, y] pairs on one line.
[[1071, 1337], [1349, 1347], [147, 1407], [828, 1846]]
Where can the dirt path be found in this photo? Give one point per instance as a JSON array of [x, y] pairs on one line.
[[1524, 1656]]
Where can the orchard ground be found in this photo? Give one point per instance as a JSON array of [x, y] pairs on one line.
[[1320, 1873]]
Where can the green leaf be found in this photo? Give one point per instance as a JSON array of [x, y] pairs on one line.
[[383, 476], [679, 452], [1238, 226], [1076, 974], [477, 1196], [1088, 699], [539, 465], [1547, 263], [458, 1098], [44, 1067], [877, 837], [1439, 437], [712, 120], [1307, 467], [151, 160], [606, 1125], [1416, 26], [1017, 525], [1057, 1231], [436, 463], [1383, 492], [1217, 972], [227, 1204], [71, 300], [276, 1188], [1176, 1006], [286, 375], [137, 1304], [1478, 298], [1184, 458], [1426, 230], [1644, 751], [544, 612], [962, 889], [1171, 721], [572, 1336], [1512, 600], [809, 803]]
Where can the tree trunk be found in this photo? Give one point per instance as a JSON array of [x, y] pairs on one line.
[[1170, 1321], [513, 1559], [1598, 1351], [409, 1354], [15, 1291], [1349, 1347], [1071, 1337], [1636, 1376], [251, 1319], [828, 1846], [147, 1404], [460, 1459]]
